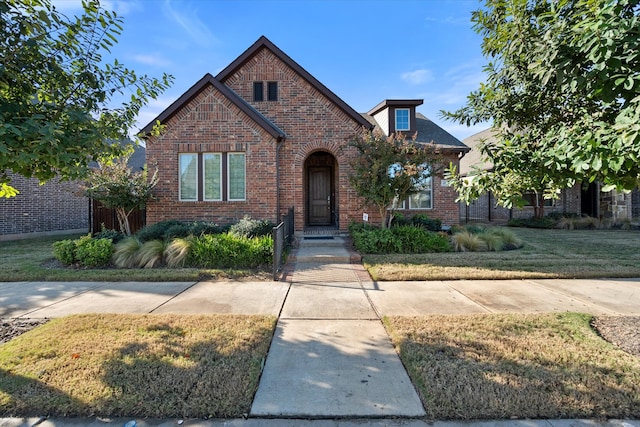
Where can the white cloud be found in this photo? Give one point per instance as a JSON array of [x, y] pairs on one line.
[[417, 77], [153, 60], [190, 22], [121, 7]]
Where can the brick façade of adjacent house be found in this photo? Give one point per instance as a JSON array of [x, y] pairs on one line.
[[55, 207], [292, 132]]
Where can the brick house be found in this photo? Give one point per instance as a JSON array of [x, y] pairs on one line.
[[48, 209], [265, 135], [577, 200]]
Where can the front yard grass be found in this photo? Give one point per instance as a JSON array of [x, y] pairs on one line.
[[135, 365], [32, 260], [546, 254], [516, 366]]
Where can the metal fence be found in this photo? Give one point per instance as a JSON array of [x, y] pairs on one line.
[[282, 237]]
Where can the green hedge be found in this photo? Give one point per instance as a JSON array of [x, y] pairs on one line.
[[229, 250], [403, 239], [85, 251]]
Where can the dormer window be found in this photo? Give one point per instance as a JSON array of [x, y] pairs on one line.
[[402, 119]]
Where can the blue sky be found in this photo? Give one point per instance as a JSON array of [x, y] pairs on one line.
[[364, 51]]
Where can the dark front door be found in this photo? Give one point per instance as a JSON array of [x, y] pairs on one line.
[[320, 195]]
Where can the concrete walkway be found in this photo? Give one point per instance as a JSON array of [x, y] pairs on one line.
[[330, 356]]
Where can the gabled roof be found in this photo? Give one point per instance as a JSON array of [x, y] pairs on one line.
[[264, 43], [474, 159], [208, 79]]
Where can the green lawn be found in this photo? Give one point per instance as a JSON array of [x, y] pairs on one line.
[[546, 254]]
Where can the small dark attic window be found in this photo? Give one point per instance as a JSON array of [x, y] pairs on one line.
[[258, 91], [272, 89]]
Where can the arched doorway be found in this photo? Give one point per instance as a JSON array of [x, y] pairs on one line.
[[320, 190]]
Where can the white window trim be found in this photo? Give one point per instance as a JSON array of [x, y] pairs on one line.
[[408, 118], [204, 178], [180, 176], [229, 155]]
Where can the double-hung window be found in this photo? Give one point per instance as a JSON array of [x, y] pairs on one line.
[[188, 185], [402, 119], [237, 176], [212, 176]]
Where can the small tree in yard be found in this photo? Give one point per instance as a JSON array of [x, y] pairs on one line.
[[388, 169], [119, 188]]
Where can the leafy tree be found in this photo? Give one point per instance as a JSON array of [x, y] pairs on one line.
[[390, 168], [118, 187], [563, 95], [56, 91]]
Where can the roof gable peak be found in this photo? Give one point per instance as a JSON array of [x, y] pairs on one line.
[[264, 43]]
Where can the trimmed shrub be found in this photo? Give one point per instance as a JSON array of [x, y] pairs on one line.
[[65, 251], [423, 221], [544, 222], [402, 239], [197, 228], [248, 227], [230, 250], [156, 231], [114, 235], [93, 252]]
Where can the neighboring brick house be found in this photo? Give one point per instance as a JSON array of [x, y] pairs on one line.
[[575, 200], [58, 207], [52, 208], [264, 135]]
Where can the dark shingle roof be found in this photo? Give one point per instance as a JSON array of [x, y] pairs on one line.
[[428, 132]]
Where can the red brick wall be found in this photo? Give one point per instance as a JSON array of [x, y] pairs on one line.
[[211, 123], [54, 206]]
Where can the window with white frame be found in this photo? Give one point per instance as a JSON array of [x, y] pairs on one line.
[[212, 176], [188, 177], [402, 119]]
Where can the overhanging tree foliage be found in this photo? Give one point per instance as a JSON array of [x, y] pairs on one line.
[[118, 187], [56, 92], [563, 95], [390, 168]]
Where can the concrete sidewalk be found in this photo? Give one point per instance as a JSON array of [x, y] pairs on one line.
[[330, 356]]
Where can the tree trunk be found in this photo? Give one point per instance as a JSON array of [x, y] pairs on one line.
[[123, 221], [382, 210]]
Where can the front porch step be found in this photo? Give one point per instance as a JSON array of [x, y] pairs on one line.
[[323, 250]]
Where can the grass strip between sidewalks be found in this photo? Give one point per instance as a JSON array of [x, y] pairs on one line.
[[579, 254], [135, 365], [524, 366]]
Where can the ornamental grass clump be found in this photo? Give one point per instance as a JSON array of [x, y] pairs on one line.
[[151, 254], [125, 253], [479, 238]]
